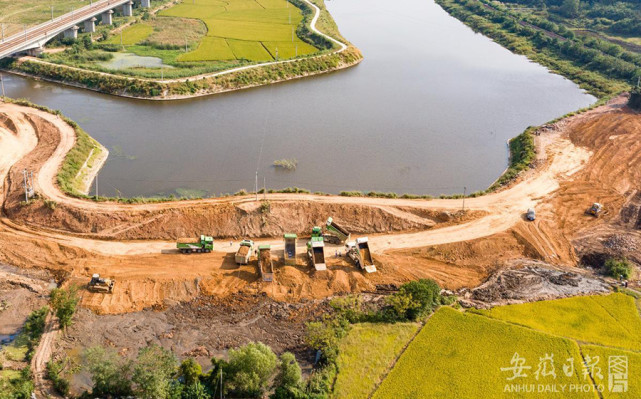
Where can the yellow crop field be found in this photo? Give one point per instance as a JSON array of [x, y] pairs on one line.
[[612, 362], [611, 320], [259, 24], [463, 355], [366, 354], [132, 35]]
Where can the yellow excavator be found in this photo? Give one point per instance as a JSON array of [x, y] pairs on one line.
[[98, 284]]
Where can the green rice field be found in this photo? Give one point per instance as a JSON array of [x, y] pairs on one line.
[[254, 30]]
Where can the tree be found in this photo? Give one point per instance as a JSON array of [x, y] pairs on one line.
[[325, 335], [153, 371], [195, 391], [289, 381], [191, 371], [415, 299], [618, 267], [64, 303], [570, 8], [250, 368], [109, 372]]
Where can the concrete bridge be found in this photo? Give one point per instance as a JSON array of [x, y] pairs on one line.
[[32, 40]]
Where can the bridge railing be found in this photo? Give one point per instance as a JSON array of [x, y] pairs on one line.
[[97, 4]]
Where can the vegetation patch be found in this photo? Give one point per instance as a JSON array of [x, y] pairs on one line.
[[366, 354], [131, 35], [605, 356], [611, 320]]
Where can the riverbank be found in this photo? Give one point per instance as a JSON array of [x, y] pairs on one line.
[[582, 61], [342, 56]]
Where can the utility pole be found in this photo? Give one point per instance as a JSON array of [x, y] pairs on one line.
[[52, 13], [297, 50], [292, 34], [162, 74], [264, 190], [185, 44], [25, 32], [24, 177], [464, 193], [96, 185], [2, 25], [221, 383], [2, 84], [256, 186]]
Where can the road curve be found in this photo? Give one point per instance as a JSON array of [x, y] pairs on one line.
[[504, 209]]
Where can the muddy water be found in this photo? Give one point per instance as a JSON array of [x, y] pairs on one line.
[[429, 110]]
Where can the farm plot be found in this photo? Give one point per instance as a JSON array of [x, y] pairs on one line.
[[611, 361], [463, 355], [366, 354], [131, 35], [244, 29], [611, 320]]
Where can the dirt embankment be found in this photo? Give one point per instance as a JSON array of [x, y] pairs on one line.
[[417, 238]]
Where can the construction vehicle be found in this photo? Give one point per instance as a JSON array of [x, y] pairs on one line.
[[595, 209], [336, 234], [204, 245], [290, 249], [317, 231], [531, 214], [98, 284], [244, 252], [358, 252], [265, 263], [316, 253]]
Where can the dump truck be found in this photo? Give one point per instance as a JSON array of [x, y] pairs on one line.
[[244, 252], [290, 249], [362, 253], [316, 253], [204, 245], [595, 209], [265, 263], [335, 233], [98, 284]]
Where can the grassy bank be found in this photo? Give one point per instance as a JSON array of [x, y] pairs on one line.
[[588, 62]]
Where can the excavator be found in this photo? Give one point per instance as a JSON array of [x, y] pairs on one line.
[[99, 284]]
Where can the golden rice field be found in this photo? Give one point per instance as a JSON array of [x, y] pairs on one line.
[[474, 354], [365, 355], [611, 320], [255, 30]]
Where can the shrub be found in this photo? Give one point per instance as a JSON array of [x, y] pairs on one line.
[[109, 373], [618, 267], [415, 299], [64, 303], [250, 368]]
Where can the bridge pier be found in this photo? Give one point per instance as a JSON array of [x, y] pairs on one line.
[[127, 10], [145, 3], [107, 17], [90, 25], [35, 52], [71, 33]]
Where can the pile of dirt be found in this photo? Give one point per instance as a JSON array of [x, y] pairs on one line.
[[533, 282]]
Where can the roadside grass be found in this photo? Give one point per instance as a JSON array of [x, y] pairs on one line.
[[611, 320], [633, 369], [31, 12], [366, 354], [131, 35], [460, 355]]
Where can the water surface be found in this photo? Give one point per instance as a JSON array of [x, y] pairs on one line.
[[429, 110]]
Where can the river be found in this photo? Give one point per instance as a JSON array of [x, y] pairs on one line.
[[428, 111]]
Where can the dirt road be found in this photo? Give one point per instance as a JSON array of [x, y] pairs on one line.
[[429, 238]]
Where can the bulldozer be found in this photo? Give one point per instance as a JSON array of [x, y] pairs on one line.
[[98, 284]]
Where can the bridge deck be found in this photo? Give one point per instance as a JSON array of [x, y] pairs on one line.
[[40, 34]]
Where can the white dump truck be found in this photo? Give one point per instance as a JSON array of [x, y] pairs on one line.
[[358, 252], [244, 252]]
